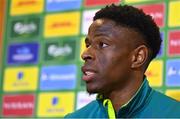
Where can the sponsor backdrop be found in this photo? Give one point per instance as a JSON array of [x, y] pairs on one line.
[[42, 43]]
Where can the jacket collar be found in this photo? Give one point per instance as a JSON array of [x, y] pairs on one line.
[[136, 103]]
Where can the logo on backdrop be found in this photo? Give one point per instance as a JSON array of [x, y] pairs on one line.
[[58, 77], [173, 73], [20, 75], [174, 43], [23, 53], [61, 24], [25, 28], [60, 51], [18, 105], [62, 5], [55, 101], [173, 18], [20, 79], [55, 104], [157, 11], [21, 7]]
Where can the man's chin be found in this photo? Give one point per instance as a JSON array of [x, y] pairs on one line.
[[91, 91]]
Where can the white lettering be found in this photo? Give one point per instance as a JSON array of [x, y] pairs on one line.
[[156, 15], [58, 76], [22, 57], [21, 28], [171, 71], [19, 105], [175, 42], [52, 110], [24, 84], [55, 51]]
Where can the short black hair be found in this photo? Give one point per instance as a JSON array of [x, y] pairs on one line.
[[132, 17]]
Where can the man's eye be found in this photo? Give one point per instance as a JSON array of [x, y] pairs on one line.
[[103, 45], [87, 45]]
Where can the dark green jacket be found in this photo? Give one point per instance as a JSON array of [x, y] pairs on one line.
[[145, 103]]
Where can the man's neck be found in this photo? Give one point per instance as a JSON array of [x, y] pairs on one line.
[[122, 96]]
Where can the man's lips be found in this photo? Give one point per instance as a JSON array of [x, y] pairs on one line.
[[88, 74]]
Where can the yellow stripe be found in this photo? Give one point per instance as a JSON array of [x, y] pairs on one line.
[[111, 112]]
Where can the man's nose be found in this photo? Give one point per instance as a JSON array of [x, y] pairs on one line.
[[88, 54]]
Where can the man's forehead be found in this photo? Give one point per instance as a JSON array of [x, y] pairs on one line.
[[109, 28], [102, 25]]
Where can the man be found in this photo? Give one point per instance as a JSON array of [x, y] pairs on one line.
[[121, 42]]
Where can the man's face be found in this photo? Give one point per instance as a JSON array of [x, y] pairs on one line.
[[107, 58]]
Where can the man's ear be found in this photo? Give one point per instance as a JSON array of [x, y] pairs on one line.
[[139, 56]]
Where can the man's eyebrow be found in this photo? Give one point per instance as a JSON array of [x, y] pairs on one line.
[[105, 35], [101, 34]]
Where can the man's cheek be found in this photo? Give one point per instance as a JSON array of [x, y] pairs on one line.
[[101, 59]]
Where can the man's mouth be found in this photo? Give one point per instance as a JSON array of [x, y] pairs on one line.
[[88, 74]]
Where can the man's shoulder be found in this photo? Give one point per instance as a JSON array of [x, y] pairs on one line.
[[86, 111], [163, 99], [163, 106]]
